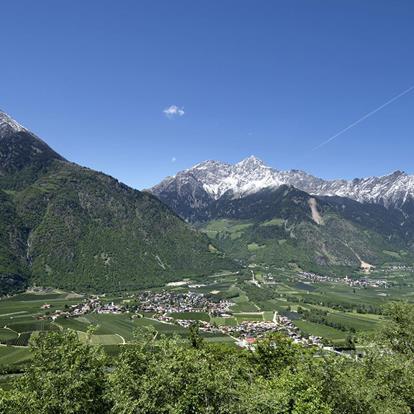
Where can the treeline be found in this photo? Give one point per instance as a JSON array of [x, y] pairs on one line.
[[176, 376]]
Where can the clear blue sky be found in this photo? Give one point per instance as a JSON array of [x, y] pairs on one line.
[[270, 78]]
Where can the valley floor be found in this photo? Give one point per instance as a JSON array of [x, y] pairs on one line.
[[234, 309]]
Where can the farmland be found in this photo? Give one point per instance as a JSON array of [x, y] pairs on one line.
[[25, 315], [332, 311]]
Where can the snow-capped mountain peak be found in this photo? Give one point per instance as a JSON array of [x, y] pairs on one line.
[[244, 177], [214, 179], [20, 148], [208, 164], [8, 125], [251, 162]]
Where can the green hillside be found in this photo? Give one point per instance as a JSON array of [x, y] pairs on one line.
[[13, 270], [277, 227], [66, 226]]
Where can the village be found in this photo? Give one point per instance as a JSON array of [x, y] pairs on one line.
[[246, 333], [364, 282], [161, 305], [170, 302], [90, 305]]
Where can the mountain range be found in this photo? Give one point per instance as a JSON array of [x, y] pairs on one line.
[[256, 213], [210, 180], [67, 226]]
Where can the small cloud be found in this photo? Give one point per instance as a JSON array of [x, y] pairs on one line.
[[173, 159], [173, 111]]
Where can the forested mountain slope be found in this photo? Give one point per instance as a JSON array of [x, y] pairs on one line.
[[67, 226], [261, 215], [286, 225]]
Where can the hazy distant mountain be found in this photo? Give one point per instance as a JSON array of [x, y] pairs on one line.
[[190, 191], [67, 226]]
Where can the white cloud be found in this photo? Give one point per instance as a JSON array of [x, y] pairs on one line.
[[173, 159], [173, 111]]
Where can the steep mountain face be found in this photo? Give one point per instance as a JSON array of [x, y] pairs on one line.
[[13, 266], [23, 156], [286, 225], [67, 226], [200, 185], [258, 214]]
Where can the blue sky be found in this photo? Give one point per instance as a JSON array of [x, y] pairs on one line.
[[270, 78]]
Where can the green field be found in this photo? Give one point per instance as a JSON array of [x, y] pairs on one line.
[[30, 326], [246, 317], [360, 323], [323, 331], [233, 228], [224, 321], [345, 310], [13, 355], [101, 339], [196, 316], [7, 334], [108, 324], [77, 324]]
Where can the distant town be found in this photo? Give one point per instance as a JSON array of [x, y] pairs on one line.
[[363, 282], [161, 305]]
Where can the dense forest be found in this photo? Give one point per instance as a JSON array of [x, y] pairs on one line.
[[171, 375]]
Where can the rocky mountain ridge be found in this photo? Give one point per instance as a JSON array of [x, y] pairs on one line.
[[208, 181]]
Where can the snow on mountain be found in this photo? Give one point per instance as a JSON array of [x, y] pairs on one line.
[[19, 147], [245, 177], [8, 125], [250, 175]]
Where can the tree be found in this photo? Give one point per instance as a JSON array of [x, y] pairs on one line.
[[397, 333], [160, 375], [276, 353], [196, 339], [350, 342], [64, 377], [168, 376]]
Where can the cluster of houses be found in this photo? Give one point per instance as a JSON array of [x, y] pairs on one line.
[[246, 333], [87, 306], [164, 303], [170, 302], [364, 282]]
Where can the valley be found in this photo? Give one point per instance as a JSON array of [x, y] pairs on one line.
[[257, 214], [206, 207], [233, 309], [69, 227], [240, 249]]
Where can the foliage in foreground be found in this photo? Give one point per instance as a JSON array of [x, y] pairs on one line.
[[175, 376]]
